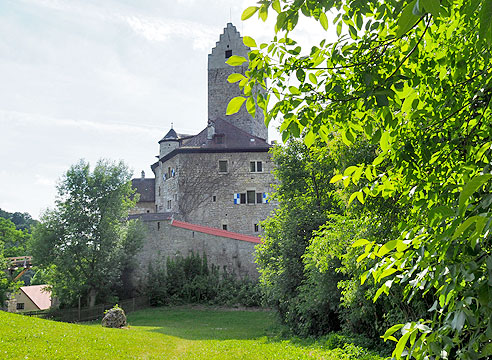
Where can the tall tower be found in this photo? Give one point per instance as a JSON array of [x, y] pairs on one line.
[[220, 91]]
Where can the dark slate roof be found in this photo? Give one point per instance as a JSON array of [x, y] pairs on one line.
[[146, 189], [233, 138], [171, 135]]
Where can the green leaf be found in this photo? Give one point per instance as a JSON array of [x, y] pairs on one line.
[[235, 104], [458, 320], [249, 41], [432, 6], [384, 142], [470, 188], [323, 20], [352, 198], [360, 242], [235, 60], [400, 346], [465, 225], [251, 106], [294, 91], [336, 178], [250, 11], [386, 248], [406, 20], [276, 6], [235, 78], [313, 78], [309, 138], [391, 331]]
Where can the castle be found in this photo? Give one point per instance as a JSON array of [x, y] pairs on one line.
[[210, 190]]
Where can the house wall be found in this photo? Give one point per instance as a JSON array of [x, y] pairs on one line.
[[28, 304], [166, 241]]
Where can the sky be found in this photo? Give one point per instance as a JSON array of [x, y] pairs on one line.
[[92, 79]]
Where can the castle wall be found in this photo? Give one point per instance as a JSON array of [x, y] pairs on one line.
[[206, 196], [164, 240]]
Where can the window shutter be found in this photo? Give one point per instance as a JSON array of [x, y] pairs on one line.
[[265, 200], [236, 198]]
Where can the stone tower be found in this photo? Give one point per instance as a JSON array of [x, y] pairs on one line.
[[220, 91]]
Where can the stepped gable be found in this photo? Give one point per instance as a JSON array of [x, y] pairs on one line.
[[146, 189], [226, 136]]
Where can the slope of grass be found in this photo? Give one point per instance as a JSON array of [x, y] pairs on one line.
[[162, 333]]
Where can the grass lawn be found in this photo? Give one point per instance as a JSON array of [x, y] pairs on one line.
[[161, 333]]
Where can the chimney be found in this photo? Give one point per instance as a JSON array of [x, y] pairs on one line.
[[142, 174], [210, 130]]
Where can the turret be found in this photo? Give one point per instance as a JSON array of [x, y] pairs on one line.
[[168, 143]]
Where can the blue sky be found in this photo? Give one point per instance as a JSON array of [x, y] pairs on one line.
[[101, 79]]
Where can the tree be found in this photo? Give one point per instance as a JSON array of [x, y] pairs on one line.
[[22, 221], [413, 77], [14, 241], [86, 240]]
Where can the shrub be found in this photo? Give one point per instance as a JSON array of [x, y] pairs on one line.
[[191, 280]]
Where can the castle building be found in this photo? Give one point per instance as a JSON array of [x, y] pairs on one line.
[[216, 182]]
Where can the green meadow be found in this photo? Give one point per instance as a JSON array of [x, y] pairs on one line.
[[164, 333]]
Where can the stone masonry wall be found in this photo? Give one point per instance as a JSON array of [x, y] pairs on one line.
[[164, 240], [220, 91], [206, 196]]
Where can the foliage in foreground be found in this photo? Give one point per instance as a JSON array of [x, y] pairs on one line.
[[414, 78], [84, 244], [190, 280], [170, 333]]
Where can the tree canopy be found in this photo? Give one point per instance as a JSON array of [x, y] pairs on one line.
[[86, 242], [414, 78]]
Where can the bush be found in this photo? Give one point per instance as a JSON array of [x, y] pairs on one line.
[[191, 281]]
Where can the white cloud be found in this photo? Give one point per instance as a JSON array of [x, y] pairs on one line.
[[22, 119]]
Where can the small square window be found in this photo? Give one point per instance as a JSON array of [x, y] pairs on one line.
[[228, 54], [250, 195], [222, 166], [20, 306], [224, 227], [243, 198], [257, 227], [259, 198]]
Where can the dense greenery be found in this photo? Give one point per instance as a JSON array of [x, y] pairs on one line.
[[414, 78], [22, 221], [308, 267], [13, 242], [191, 280], [168, 333], [85, 245]]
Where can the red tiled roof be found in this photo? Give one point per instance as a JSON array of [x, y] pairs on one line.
[[217, 232], [38, 295]]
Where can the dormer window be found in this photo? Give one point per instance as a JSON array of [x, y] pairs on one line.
[[228, 54]]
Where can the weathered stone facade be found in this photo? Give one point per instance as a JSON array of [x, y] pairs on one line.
[[220, 91], [165, 240]]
